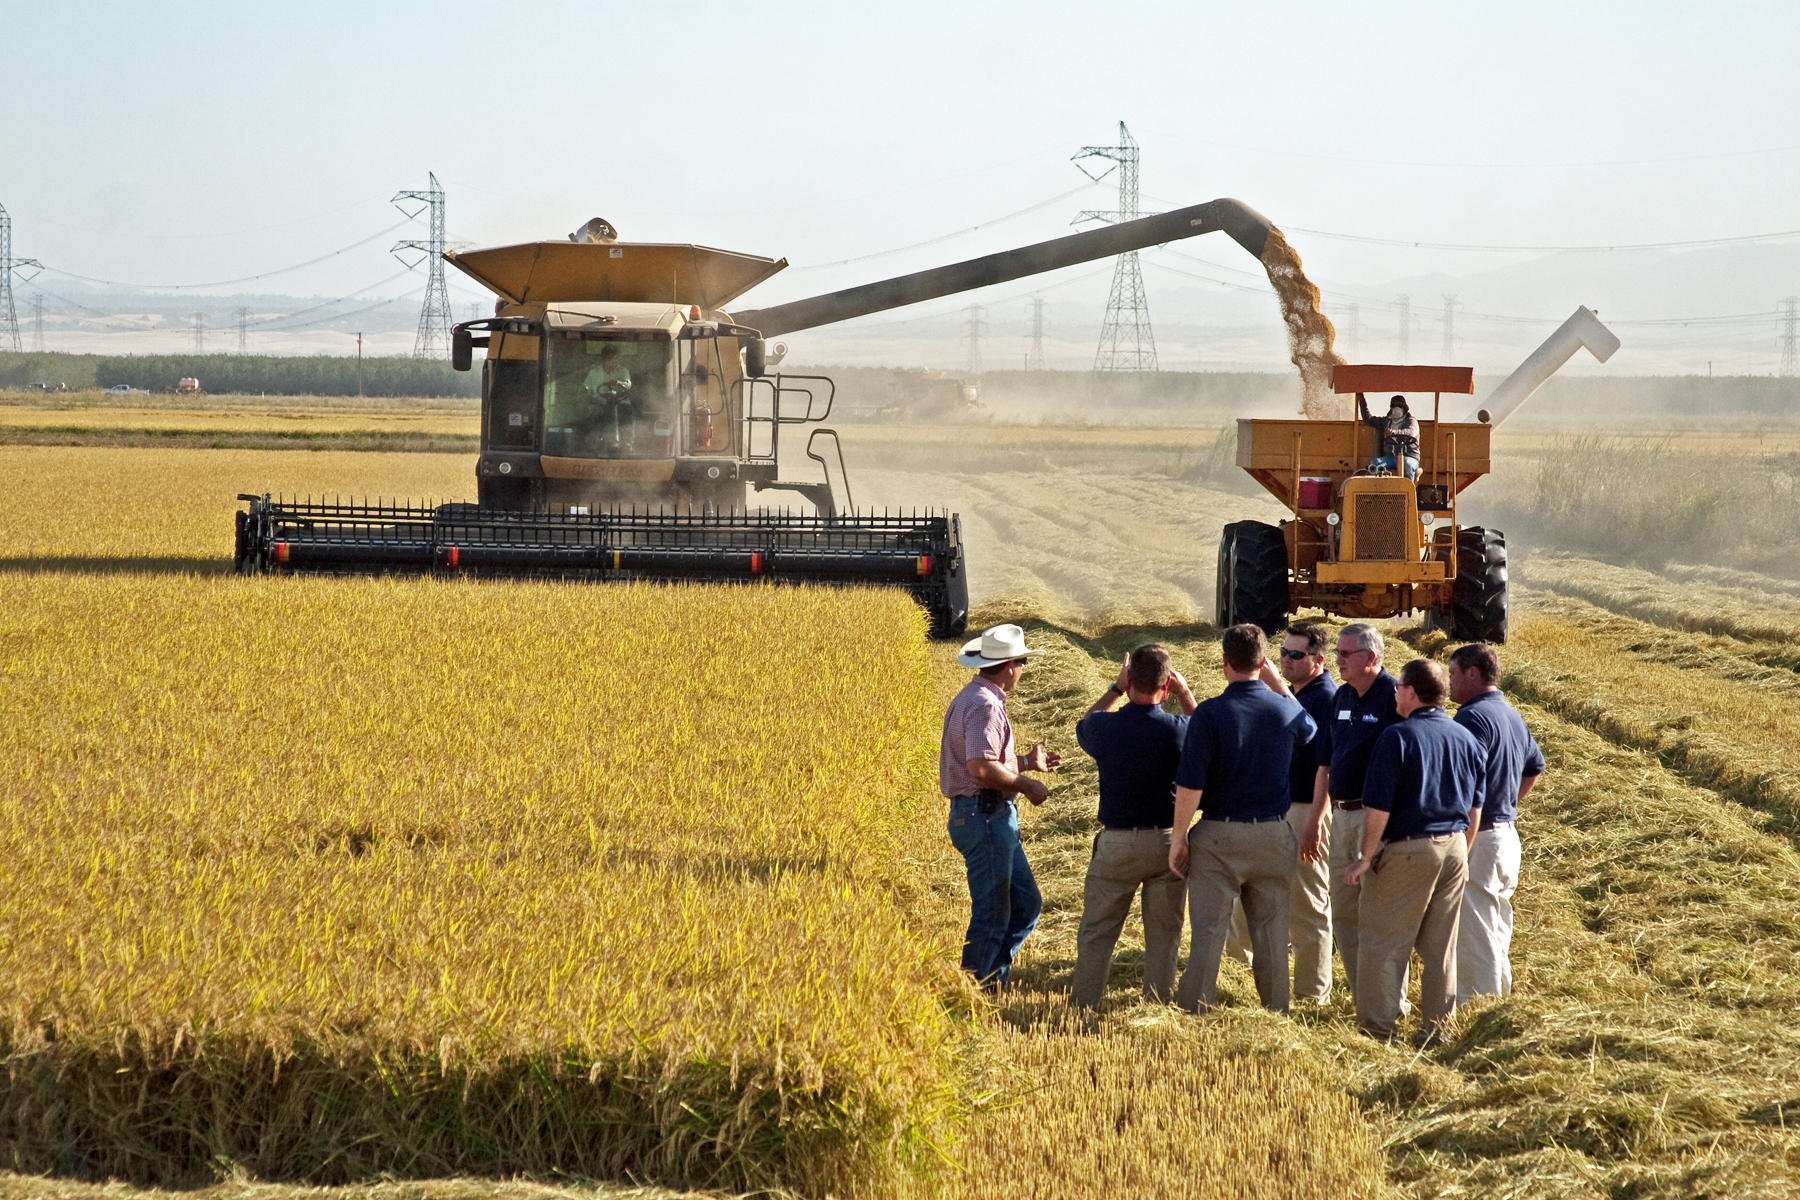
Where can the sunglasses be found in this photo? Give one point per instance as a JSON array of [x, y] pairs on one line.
[[1296, 655]]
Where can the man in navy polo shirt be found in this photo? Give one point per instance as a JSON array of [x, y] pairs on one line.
[[1234, 769], [1309, 896], [1136, 749], [1421, 793], [1362, 707], [1514, 764]]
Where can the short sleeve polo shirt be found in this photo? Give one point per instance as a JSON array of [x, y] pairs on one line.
[[1136, 749], [1426, 773], [1512, 753], [1356, 721], [976, 726], [1317, 698], [1239, 747]]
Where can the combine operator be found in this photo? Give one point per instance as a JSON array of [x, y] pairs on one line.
[[979, 773]]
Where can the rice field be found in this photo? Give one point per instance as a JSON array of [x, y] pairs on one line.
[[259, 735]]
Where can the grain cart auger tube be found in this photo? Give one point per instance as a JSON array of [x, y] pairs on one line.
[[626, 419], [1370, 538]]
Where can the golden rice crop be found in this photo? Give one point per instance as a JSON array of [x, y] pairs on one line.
[[324, 877]]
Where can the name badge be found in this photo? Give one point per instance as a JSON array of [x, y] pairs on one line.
[[1344, 716]]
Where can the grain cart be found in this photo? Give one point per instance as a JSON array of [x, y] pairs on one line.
[[1362, 543], [627, 419]]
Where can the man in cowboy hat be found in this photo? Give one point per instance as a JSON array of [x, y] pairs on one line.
[[979, 772]]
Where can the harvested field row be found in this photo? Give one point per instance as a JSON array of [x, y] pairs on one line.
[[1723, 718], [1737, 604]]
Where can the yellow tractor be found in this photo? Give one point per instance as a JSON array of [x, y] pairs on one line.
[[1365, 542]]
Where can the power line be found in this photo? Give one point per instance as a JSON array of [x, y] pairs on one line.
[[1030, 208], [181, 287]]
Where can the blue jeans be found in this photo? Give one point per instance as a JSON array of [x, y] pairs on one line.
[[1386, 462], [1003, 896]]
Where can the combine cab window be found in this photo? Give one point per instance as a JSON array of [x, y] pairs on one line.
[[609, 399], [704, 397]]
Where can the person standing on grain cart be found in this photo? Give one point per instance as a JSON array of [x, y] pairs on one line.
[[979, 772], [1422, 792], [1398, 449], [1309, 896], [1136, 749], [1361, 708], [1234, 770], [1514, 765]]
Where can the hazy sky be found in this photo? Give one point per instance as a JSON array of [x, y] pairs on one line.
[[210, 142]]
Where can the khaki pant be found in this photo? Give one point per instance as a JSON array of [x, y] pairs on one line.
[[1411, 900], [1309, 918], [1125, 862], [1231, 861], [1484, 939], [1345, 848]]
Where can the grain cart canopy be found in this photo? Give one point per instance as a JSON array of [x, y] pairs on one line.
[[552, 272]]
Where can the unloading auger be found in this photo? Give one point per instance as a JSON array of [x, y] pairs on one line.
[[627, 418]]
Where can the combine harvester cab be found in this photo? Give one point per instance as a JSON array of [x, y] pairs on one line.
[[627, 419], [1367, 544]]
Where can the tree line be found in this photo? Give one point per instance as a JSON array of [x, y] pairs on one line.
[[241, 374]]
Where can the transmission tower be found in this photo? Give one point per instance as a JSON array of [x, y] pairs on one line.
[[243, 331], [37, 324], [1451, 304], [1790, 336], [1404, 304], [976, 327], [199, 333], [434, 314], [1034, 358], [9, 316], [1126, 342], [1354, 328]]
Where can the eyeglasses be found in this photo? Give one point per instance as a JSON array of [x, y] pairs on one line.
[[1296, 655], [1343, 653]]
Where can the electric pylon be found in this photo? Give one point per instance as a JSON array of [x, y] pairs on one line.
[[1126, 340], [1451, 304], [976, 327], [1790, 336], [1404, 304], [434, 315], [9, 316], [1034, 358]]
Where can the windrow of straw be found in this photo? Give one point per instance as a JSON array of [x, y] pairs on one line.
[[1736, 604], [324, 879]]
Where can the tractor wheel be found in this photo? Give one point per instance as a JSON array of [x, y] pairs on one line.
[[1478, 598], [1222, 586], [1256, 554]]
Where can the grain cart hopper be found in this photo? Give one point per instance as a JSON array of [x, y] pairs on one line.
[[1367, 544], [627, 419]]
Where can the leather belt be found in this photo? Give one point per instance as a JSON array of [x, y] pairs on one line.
[[1246, 820], [1347, 805]]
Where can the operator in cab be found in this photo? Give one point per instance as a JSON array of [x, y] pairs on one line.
[[609, 386], [1399, 430]]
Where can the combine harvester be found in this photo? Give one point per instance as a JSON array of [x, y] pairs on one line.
[[626, 419], [1363, 543]]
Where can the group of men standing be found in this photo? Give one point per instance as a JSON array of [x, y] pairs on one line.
[[1352, 812]]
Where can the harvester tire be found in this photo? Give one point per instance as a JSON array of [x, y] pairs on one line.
[[1255, 562], [1478, 598]]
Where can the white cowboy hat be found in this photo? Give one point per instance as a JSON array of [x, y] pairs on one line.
[[1002, 643]]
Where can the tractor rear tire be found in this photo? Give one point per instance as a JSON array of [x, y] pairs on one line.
[[1253, 576], [1222, 586], [1478, 598]]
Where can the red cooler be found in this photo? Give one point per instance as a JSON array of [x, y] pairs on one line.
[[1315, 491]]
